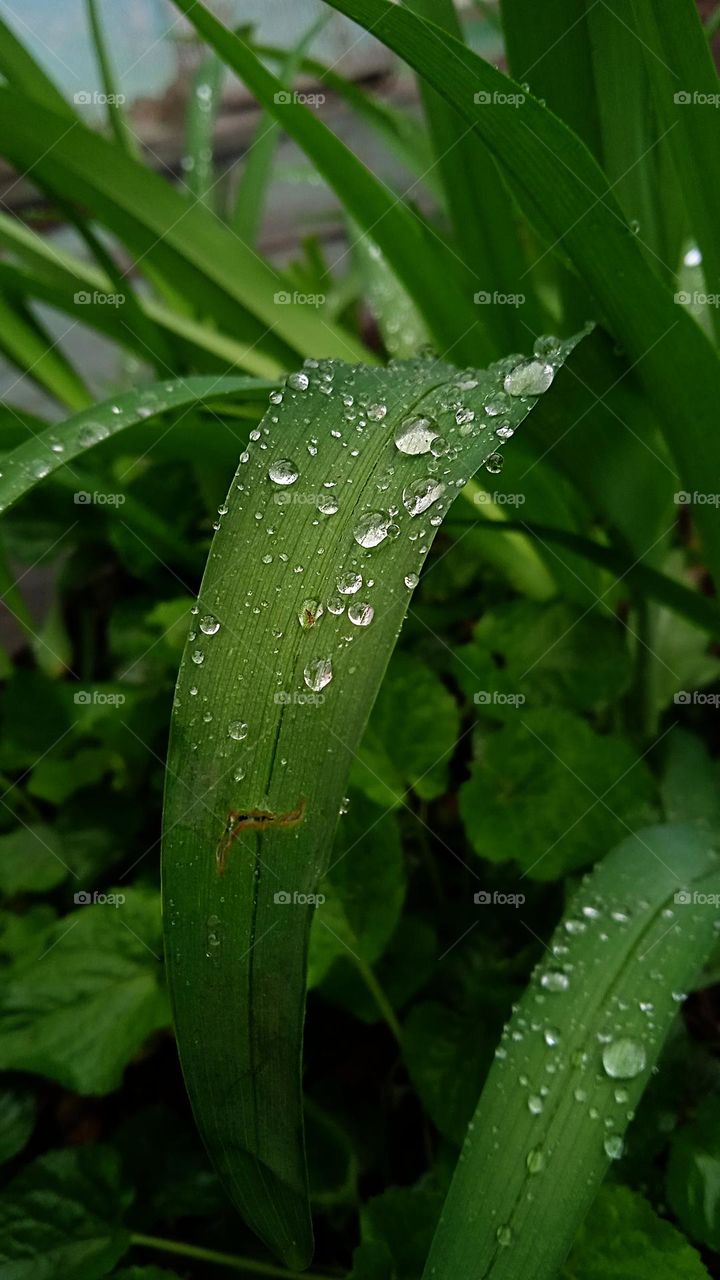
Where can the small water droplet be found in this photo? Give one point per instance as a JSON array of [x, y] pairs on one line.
[[238, 730], [361, 614], [614, 1146], [298, 381], [494, 464], [529, 378], [624, 1059], [415, 436], [198, 657], [349, 583], [209, 625], [318, 674], [504, 1236], [311, 611], [421, 494], [535, 1104], [283, 472], [535, 1160], [372, 529], [554, 980], [411, 580], [376, 412]]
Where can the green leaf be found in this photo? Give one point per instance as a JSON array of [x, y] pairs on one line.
[[434, 276], [575, 210], [574, 1061], [543, 655], [30, 861], [17, 1121], [623, 1238], [447, 1062], [115, 114], [403, 1219], [257, 767], [549, 794], [693, 1176], [36, 459], [410, 739], [60, 1218], [690, 791], [80, 1012]]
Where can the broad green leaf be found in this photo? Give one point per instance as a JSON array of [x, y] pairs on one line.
[[411, 736], [574, 1061], [82, 1010], [434, 276], [576, 212], [330, 522], [691, 782], [693, 1176], [623, 1238], [548, 793], [402, 1219], [163, 1159], [526, 654], [17, 1121], [60, 1218], [33, 461], [30, 861], [447, 1062]]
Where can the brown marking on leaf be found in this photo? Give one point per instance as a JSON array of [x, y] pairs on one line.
[[240, 820]]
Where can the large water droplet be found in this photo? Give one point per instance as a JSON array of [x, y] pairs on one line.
[[416, 435], [311, 611], [238, 730], [283, 472], [349, 583], [361, 614], [377, 412], [421, 494], [504, 1236], [209, 625], [298, 381], [554, 980], [529, 378], [614, 1146], [372, 529], [624, 1059], [535, 1160], [318, 674]]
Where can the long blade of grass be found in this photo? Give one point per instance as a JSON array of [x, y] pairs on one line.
[[327, 524], [556, 179], [187, 246], [435, 277], [202, 112], [33, 352], [37, 458], [685, 89], [21, 70], [574, 1061], [115, 113]]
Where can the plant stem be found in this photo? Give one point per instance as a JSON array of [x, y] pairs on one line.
[[222, 1259], [379, 997]]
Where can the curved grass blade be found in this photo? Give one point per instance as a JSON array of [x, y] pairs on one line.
[[574, 1061], [565, 193], [646, 582], [115, 114], [21, 69], [436, 278], [203, 106], [33, 352], [328, 523], [36, 459]]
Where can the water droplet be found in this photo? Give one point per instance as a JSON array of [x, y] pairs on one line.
[[92, 434], [238, 730], [376, 412], [505, 431], [547, 347], [328, 507], [311, 611], [614, 1146], [554, 980], [529, 378], [239, 774], [551, 1036], [416, 435], [318, 674], [372, 529], [41, 469], [361, 614], [504, 1236], [198, 657], [349, 583], [276, 397], [624, 1059], [535, 1104], [421, 494], [535, 1160], [336, 605], [283, 472], [494, 464], [411, 580], [209, 625], [298, 381]]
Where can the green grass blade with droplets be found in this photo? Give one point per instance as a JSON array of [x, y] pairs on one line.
[[573, 1063], [327, 525]]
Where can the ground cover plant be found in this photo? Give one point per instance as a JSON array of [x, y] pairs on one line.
[[378, 594]]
